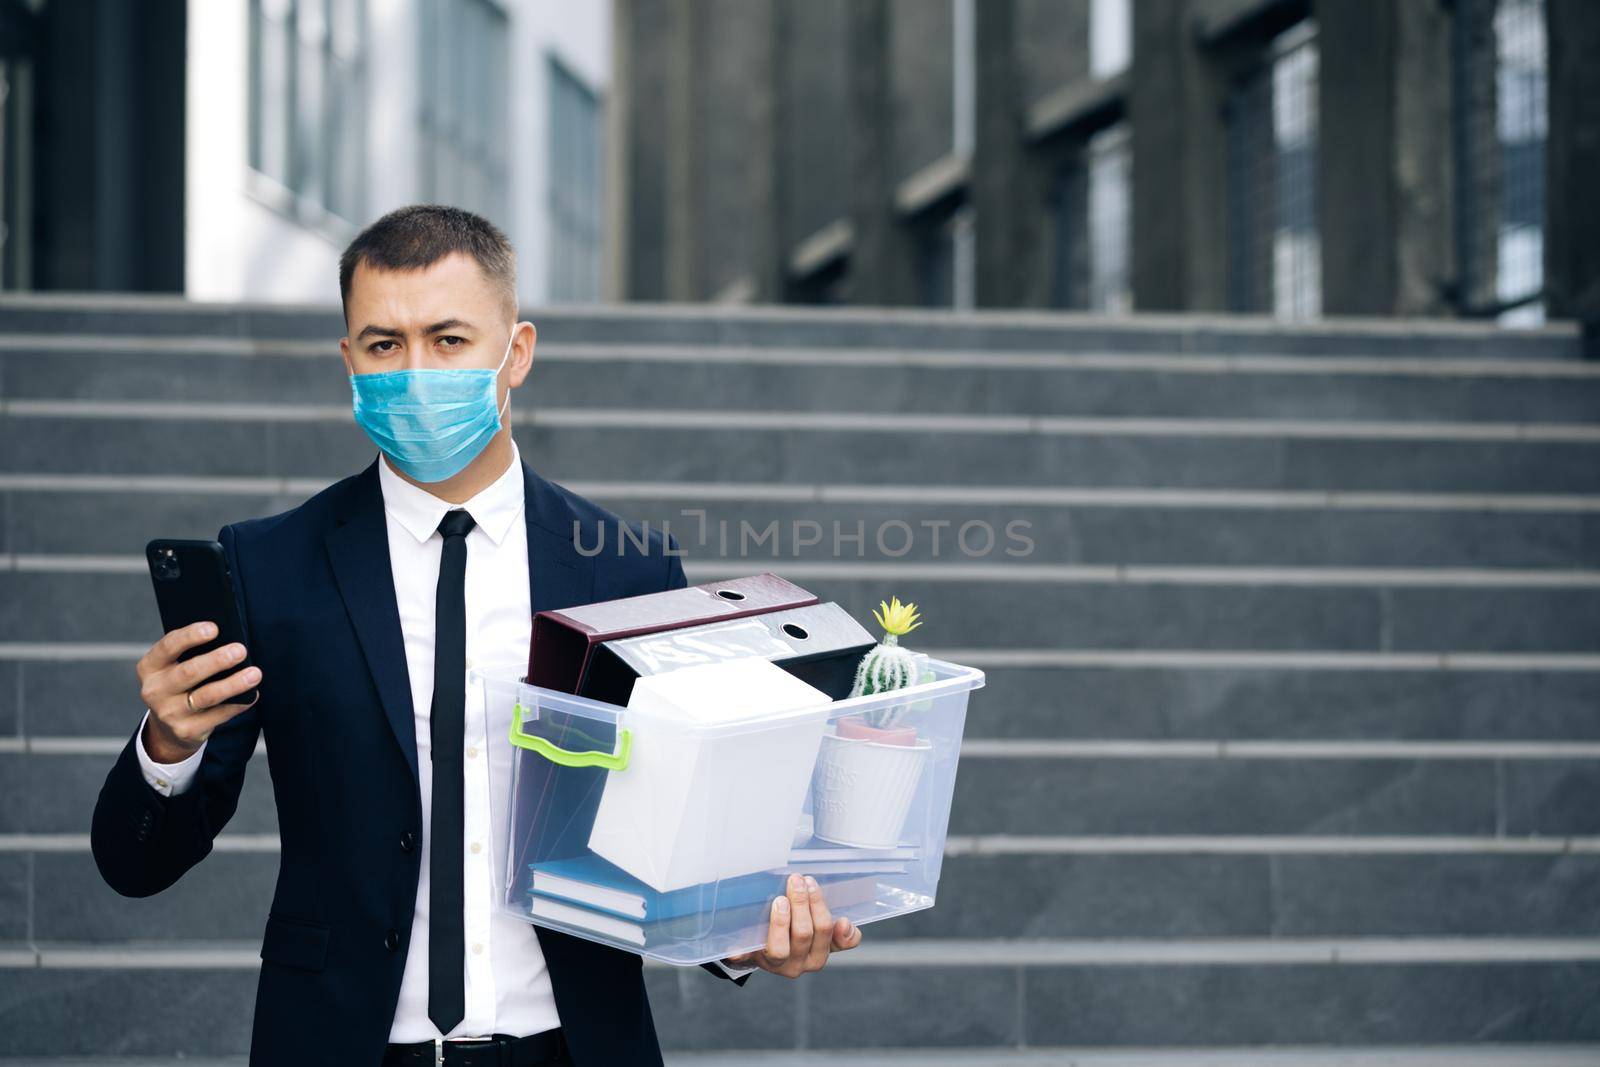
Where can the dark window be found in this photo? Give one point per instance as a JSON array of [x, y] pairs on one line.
[[1274, 250], [307, 94], [1500, 130], [577, 187]]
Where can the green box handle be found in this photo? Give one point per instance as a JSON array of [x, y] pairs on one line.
[[617, 761]]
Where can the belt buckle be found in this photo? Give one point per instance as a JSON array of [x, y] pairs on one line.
[[440, 1042]]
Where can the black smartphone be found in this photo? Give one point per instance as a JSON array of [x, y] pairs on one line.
[[193, 584]]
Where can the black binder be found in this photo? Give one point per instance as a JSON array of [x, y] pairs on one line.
[[820, 644]]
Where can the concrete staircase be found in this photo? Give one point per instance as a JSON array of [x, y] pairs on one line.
[[1290, 751]]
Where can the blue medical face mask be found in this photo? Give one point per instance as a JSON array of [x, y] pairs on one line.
[[430, 421]]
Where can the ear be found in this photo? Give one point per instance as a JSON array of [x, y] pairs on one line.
[[344, 353], [521, 362]]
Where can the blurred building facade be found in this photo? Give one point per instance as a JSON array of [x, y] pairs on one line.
[[1288, 157], [229, 149], [1292, 157]]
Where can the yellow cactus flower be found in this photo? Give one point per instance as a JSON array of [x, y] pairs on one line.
[[897, 618]]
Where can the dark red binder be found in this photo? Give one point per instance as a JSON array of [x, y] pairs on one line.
[[564, 641]]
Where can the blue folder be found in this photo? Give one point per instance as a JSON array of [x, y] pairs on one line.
[[595, 882]]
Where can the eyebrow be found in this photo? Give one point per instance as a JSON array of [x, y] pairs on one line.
[[390, 331]]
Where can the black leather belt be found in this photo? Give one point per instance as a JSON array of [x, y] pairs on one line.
[[500, 1050]]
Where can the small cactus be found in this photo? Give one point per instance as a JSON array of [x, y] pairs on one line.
[[889, 666]]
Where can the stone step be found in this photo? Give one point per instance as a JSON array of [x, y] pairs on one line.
[[1107, 894], [912, 329], [1019, 607], [1176, 895], [1033, 994], [833, 449], [1488, 1055], [54, 793], [1500, 699], [714, 523], [1290, 701], [1275, 796], [567, 375]]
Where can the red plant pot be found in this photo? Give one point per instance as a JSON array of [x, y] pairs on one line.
[[856, 726]]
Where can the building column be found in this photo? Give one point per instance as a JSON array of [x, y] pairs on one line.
[[681, 232], [109, 136], [1175, 99], [1383, 167], [621, 118], [1010, 185], [764, 107], [882, 258], [1572, 168]]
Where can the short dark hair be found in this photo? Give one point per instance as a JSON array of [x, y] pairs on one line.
[[419, 235]]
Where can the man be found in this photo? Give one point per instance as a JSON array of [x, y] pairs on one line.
[[364, 608]]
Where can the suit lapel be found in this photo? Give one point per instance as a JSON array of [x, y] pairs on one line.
[[358, 549], [559, 576]]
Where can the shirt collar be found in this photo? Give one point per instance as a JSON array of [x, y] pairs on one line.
[[494, 508]]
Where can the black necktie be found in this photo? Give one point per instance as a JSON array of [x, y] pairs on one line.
[[447, 995]]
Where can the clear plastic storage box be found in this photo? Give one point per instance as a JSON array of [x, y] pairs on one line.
[[668, 835]]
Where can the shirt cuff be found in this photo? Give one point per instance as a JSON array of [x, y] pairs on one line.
[[168, 779]]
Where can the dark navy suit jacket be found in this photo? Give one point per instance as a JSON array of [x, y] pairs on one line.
[[335, 708]]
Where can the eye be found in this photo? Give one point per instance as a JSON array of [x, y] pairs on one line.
[[377, 346], [450, 340]]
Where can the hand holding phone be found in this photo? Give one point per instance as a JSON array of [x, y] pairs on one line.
[[198, 675]]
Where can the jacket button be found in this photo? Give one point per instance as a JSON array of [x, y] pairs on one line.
[[391, 940], [408, 841]]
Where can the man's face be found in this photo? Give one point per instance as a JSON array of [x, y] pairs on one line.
[[444, 315]]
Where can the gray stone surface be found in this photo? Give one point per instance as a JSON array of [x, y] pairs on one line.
[[223, 897], [10, 698], [671, 323], [1501, 1054], [693, 1013], [1222, 703], [820, 378], [81, 698], [1221, 796], [122, 523], [1442, 895], [78, 1012], [1424, 1003], [1552, 797], [1512, 620], [55, 794], [88, 606], [1196, 895], [16, 890], [94, 521], [126, 1012], [866, 1007], [318, 449], [1092, 896], [1176, 895]]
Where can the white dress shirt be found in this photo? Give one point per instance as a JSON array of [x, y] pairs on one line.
[[508, 988]]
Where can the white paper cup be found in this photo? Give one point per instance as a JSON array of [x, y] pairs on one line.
[[862, 790]]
